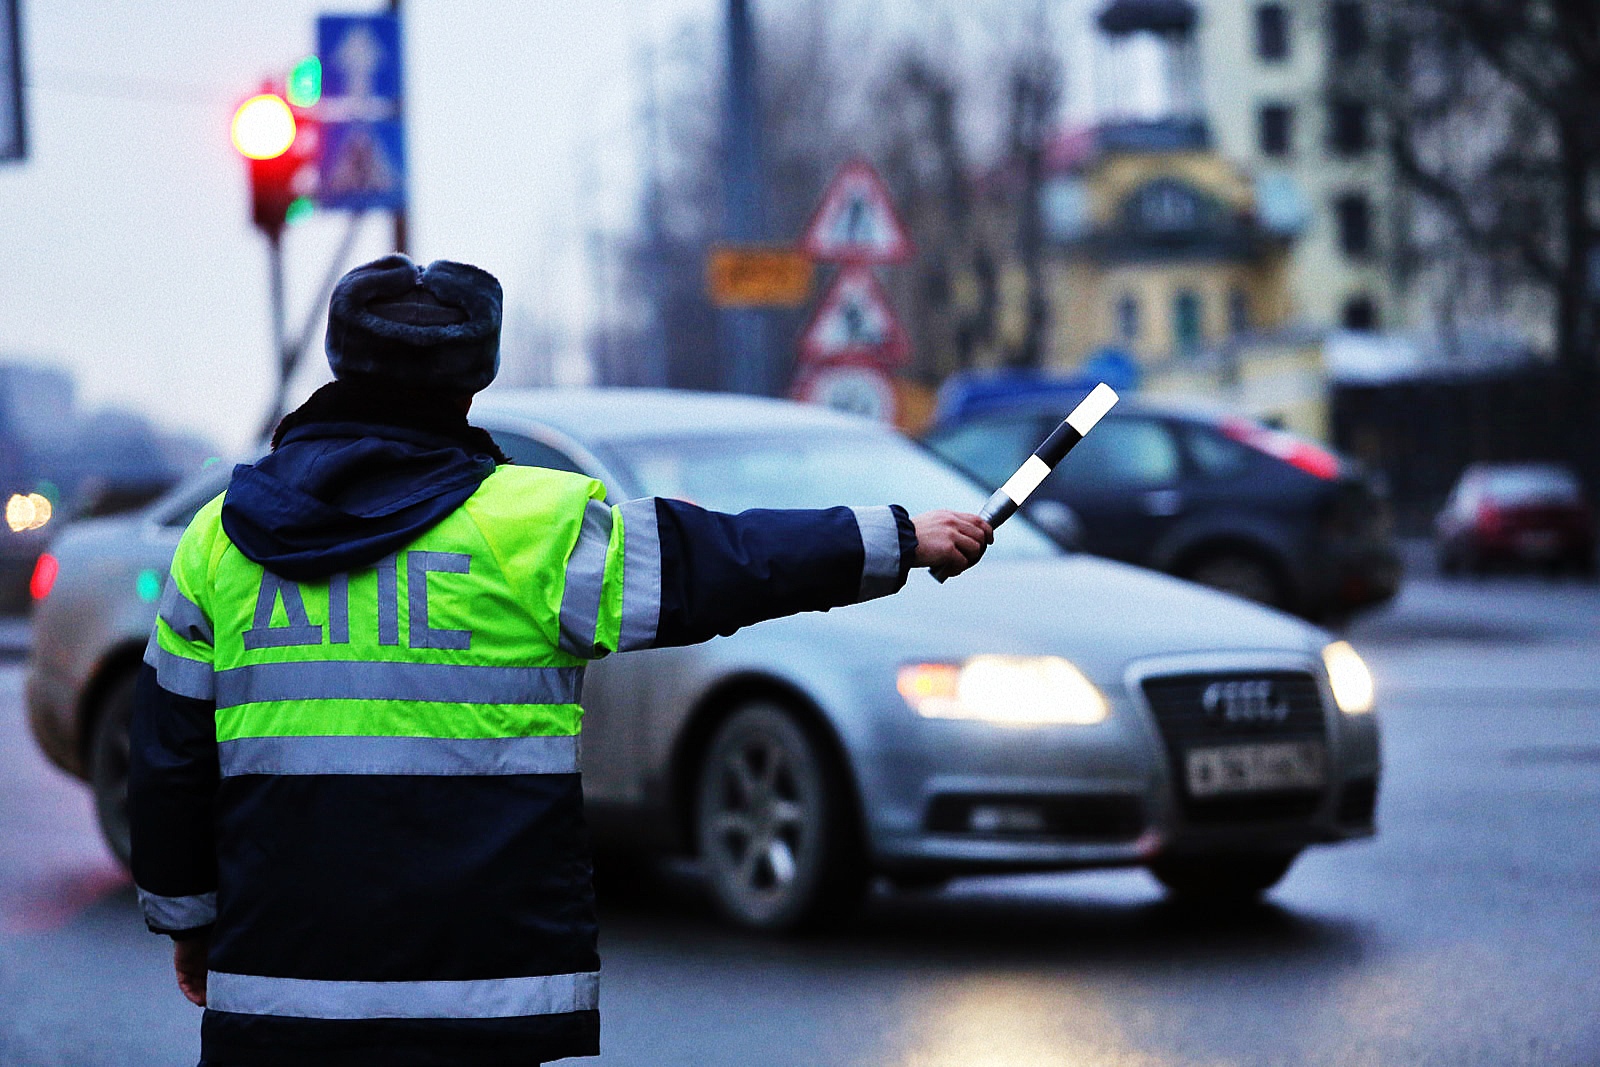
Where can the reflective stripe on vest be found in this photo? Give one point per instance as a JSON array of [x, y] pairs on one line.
[[482, 998], [399, 755]]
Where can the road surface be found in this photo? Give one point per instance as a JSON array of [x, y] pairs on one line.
[[1468, 932]]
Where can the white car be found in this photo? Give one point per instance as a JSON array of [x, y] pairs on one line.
[[1044, 711]]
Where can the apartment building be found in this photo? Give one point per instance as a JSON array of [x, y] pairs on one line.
[[1287, 88]]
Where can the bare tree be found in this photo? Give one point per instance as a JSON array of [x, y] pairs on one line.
[[835, 84], [1491, 110]]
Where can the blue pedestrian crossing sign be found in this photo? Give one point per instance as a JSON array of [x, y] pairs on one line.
[[363, 145]]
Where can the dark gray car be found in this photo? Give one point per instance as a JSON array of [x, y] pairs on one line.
[[1219, 500], [1045, 711]]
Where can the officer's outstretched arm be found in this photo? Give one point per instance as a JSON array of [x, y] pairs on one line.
[[678, 574]]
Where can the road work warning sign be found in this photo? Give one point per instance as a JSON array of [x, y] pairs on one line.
[[856, 221]]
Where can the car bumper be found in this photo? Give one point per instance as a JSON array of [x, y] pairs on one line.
[[965, 797]]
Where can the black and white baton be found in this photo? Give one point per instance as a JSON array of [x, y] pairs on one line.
[[1005, 501]]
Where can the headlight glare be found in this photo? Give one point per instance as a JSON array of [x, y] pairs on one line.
[[1012, 690], [1349, 678]]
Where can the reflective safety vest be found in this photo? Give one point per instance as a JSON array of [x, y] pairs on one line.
[[398, 825]]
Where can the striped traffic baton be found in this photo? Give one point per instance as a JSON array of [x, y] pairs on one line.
[[1005, 501]]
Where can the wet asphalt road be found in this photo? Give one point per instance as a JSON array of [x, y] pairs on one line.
[[1468, 932]]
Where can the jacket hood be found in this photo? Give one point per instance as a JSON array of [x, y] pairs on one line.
[[339, 496]]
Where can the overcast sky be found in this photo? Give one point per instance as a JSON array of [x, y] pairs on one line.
[[128, 255]]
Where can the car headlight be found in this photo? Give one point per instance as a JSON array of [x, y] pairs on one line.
[[1349, 677], [1010, 690]]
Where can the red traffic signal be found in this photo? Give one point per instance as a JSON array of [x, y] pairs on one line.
[[279, 143]]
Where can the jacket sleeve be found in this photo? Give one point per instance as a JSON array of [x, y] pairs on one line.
[[665, 572], [172, 768]]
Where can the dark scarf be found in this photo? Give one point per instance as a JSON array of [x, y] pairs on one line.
[[355, 473], [387, 405]]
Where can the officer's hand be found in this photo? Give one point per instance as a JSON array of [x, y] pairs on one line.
[[950, 541], [190, 959]]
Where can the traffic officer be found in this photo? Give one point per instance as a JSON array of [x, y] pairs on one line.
[[354, 789]]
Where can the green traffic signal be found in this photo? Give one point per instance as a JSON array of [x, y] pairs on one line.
[[304, 85]]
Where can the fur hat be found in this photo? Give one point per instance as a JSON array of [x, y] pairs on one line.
[[432, 328]]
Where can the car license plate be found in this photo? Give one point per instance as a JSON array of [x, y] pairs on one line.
[[1254, 768]]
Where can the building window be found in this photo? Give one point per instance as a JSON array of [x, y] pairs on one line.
[[1128, 318], [1276, 127], [1238, 311], [1348, 133], [1186, 320], [1347, 29], [1354, 216], [1272, 32], [1360, 313]]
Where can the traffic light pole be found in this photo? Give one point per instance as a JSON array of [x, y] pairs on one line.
[[289, 354], [742, 332], [280, 329], [402, 225]]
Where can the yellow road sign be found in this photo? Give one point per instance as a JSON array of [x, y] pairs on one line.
[[758, 276]]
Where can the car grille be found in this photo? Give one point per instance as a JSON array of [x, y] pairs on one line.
[[1179, 705]]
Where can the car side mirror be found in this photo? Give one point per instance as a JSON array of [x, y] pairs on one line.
[[1059, 521]]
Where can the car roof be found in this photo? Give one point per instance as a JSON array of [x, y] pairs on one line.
[[1530, 467], [1164, 407], [615, 414]]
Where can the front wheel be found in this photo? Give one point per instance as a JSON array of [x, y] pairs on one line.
[[774, 824], [108, 766], [1222, 878]]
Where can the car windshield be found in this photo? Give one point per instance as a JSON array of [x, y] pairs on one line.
[[735, 472]]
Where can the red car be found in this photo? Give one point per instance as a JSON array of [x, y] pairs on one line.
[[1507, 514]]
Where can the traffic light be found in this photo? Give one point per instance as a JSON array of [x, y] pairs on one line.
[[279, 143]]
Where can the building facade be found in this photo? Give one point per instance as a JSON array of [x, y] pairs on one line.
[[1288, 88]]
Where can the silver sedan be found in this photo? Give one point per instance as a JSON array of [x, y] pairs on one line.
[[1044, 711]]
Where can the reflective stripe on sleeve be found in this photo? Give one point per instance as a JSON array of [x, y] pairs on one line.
[[482, 998], [399, 755], [450, 683], [641, 575], [880, 541], [178, 913], [585, 581], [184, 615], [185, 677]]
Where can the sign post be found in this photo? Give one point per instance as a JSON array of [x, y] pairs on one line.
[[854, 340], [13, 125]]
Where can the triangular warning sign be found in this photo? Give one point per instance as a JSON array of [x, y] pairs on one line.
[[360, 167], [856, 221], [855, 322]]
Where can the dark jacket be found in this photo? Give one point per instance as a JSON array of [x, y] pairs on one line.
[[347, 877]]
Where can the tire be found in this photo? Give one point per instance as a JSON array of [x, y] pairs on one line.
[[1241, 574], [774, 824], [108, 766], [1222, 879]]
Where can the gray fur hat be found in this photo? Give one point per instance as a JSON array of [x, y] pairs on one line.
[[434, 327]]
